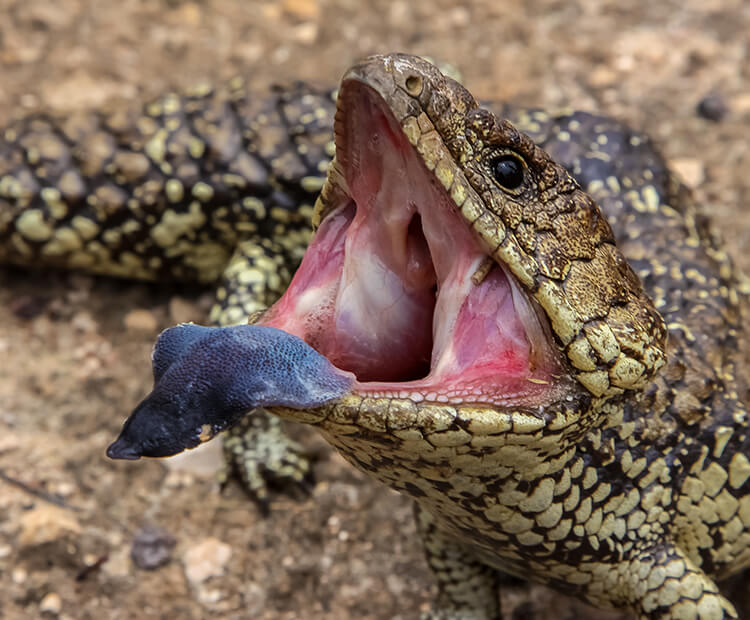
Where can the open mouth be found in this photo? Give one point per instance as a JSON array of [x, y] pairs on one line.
[[397, 289]]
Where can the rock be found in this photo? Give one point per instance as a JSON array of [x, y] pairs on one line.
[[82, 321], [306, 33], [117, 564], [209, 596], [140, 320], [459, 17], [27, 307], [302, 9], [63, 488], [713, 107], [51, 604], [152, 548], [255, 599], [46, 524], [740, 103], [602, 76], [691, 170], [19, 575], [206, 559], [189, 14]]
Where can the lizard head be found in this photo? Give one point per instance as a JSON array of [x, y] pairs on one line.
[[455, 262], [460, 287]]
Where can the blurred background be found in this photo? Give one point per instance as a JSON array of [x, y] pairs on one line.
[[82, 537]]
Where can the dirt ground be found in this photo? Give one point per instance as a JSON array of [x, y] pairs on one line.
[[74, 350]]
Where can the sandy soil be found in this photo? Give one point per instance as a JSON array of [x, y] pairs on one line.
[[74, 350]]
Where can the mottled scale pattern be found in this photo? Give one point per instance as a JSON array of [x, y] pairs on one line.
[[168, 190], [693, 416], [634, 493]]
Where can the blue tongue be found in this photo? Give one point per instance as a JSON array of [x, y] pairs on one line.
[[207, 378]]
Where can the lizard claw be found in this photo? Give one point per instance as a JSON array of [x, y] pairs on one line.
[[264, 458]]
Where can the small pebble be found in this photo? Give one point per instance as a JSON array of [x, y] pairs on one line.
[[46, 524], [306, 33], [302, 9], [209, 596], [140, 321], [89, 559], [690, 170], [189, 13], [19, 575], [255, 599], [27, 307], [713, 107], [152, 548], [118, 564], [82, 321], [206, 559], [460, 16], [63, 489], [740, 103], [51, 604]]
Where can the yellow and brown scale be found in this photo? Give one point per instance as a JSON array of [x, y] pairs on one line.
[[635, 493]]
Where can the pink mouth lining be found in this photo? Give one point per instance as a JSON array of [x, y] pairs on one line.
[[385, 290]]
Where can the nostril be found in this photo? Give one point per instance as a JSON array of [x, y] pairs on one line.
[[414, 85]]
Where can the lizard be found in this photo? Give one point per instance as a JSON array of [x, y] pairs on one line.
[[615, 467]]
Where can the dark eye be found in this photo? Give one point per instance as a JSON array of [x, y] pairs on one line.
[[508, 171]]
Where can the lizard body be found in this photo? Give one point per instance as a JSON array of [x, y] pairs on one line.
[[628, 485]]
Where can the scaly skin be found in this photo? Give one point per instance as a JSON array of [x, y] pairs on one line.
[[633, 493], [632, 490]]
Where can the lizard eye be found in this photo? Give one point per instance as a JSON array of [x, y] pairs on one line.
[[508, 171]]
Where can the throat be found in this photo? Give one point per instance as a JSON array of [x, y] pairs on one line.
[[383, 320]]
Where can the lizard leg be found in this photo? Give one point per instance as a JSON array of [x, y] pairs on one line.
[[467, 588], [261, 455], [256, 450], [674, 588], [255, 277]]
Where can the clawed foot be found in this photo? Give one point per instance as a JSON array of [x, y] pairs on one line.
[[263, 457]]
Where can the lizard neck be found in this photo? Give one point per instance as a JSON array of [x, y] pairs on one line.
[[399, 440]]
